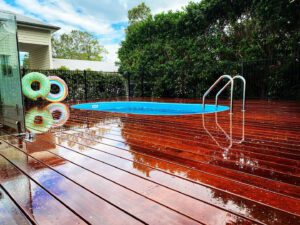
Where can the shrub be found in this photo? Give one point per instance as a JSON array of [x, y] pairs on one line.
[[180, 54], [90, 84]]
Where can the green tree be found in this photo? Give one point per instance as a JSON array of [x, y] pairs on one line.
[[180, 54], [26, 63], [139, 13], [77, 45], [64, 68]]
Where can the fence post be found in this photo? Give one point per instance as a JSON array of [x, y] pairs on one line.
[[128, 83], [242, 68], [23, 72], [85, 85]]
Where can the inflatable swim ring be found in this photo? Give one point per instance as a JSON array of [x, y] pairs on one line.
[[63, 90], [43, 81], [62, 109], [43, 126]]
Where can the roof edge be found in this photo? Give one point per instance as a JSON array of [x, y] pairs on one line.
[[50, 27]]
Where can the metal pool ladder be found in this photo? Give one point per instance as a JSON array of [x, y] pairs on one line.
[[231, 83]]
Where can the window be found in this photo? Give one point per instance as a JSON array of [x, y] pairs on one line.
[[6, 68]]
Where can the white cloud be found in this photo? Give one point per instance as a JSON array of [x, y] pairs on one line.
[[162, 6], [116, 10], [97, 17], [57, 11], [7, 7]]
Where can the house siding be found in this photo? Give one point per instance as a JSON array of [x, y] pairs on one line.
[[40, 58], [37, 42], [73, 64]]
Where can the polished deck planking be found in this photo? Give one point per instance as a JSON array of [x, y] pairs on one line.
[[160, 169], [9, 211]]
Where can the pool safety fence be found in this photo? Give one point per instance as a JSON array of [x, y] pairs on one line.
[[87, 85]]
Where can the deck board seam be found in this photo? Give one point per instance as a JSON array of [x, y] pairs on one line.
[[50, 167], [37, 183], [239, 215], [261, 177], [235, 150], [201, 132], [183, 126], [198, 183], [24, 213], [236, 181]]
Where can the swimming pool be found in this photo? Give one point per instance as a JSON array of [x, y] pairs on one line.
[[151, 108]]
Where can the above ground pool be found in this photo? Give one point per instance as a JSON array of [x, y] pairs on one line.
[[151, 108]]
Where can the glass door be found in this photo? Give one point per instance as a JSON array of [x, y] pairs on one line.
[[11, 100]]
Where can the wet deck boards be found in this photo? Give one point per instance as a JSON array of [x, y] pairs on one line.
[[105, 168]]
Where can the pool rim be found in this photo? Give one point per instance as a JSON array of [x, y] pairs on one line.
[[222, 108]]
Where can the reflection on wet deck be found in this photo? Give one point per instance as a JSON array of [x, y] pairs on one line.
[[102, 168]]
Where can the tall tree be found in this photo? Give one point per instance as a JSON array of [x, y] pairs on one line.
[[77, 45], [179, 54], [139, 13]]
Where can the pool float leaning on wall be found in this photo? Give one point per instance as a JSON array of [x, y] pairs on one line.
[[63, 90], [44, 84]]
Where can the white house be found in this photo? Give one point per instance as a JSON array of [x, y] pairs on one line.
[[74, 64], [34, 37]]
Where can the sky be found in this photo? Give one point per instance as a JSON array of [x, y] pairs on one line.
[[105, 19]]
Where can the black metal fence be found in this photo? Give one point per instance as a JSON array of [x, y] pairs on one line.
[[272, 78], [277, 78], [267, 78], [88, 85]]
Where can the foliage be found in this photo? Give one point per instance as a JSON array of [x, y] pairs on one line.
[[63, 68], [26, 62], [139, 13], [77, 45], [180, 54], [90, 84]]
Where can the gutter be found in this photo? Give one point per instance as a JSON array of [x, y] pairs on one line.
[[40, 26]]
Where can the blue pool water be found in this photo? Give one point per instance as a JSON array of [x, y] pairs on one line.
[[151, 108]]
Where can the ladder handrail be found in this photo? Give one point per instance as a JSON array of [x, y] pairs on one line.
[[221, 90], [213, 86], [244, 90]]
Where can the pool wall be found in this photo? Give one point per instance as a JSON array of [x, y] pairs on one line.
[[151, 108]]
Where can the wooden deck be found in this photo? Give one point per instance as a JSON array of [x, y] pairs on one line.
[[105, 168]]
